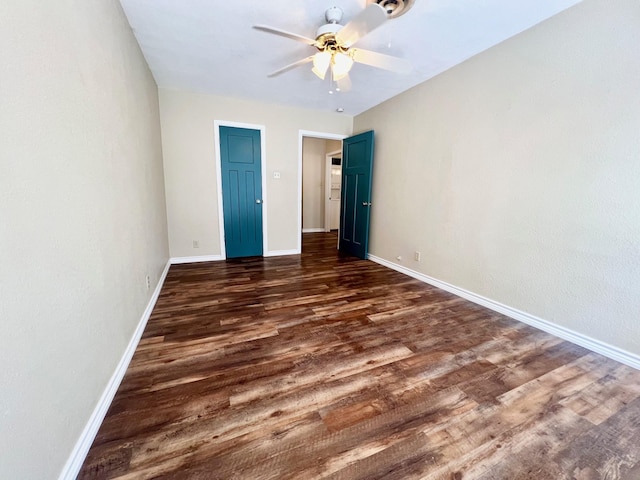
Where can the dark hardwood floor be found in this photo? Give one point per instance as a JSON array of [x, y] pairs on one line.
[[321, 366]]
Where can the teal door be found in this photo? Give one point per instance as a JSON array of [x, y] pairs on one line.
[[357, 167], [241, 191]]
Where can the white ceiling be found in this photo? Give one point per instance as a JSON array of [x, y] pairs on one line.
[[209, 46]]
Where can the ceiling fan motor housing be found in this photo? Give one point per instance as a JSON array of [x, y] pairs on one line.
[[333, 16], [328, 29]]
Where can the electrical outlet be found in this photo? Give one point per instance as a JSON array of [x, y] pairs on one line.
[[148, 282], [417, 256], [196, 244], [276, 175]]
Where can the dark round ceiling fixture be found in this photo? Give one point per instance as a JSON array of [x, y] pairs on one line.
[[394, 8]]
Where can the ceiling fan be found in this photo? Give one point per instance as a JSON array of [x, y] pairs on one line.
[[335, 45]]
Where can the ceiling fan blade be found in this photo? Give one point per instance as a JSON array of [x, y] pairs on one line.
[[380, 60], [366, 21], [291, 66], [344, 84], [283, 33]]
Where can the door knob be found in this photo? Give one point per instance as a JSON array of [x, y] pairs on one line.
[[258, 201], [365, 204]]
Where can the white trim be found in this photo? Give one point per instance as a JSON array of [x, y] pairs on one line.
[[195, 259], [313, 230], [301, 135], [572, 336], [81, 449], [263, 167], [278, 253], [218, 167]]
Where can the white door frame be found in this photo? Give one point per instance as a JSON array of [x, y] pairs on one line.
[[301, 135], [263, 167], [327, 187]]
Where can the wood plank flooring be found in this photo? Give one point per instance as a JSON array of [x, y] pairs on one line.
[[322, 366]]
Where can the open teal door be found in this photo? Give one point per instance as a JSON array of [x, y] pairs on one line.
[[240, 158], [357, 168]]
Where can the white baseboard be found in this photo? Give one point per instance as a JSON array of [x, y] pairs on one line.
[[279, 253], [313, 230], [76, 459], [217, 258], [572, 336], [195, 259]]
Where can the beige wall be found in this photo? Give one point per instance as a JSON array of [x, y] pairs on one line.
[[333, 145], [313, 160], [82, 219], [314, 152], [517, 173], [190, 174]]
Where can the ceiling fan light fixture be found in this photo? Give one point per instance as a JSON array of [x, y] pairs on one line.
[[341, 65], [334, 43], [321, 61]]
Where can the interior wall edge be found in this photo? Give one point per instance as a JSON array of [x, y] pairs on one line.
[[81, 449], [568, 334]]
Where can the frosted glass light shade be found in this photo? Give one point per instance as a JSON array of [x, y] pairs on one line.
[[341, 65], [321, 61]]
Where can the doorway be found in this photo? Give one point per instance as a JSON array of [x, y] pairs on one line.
[[241, 189], [312, 180], [357, 172]]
